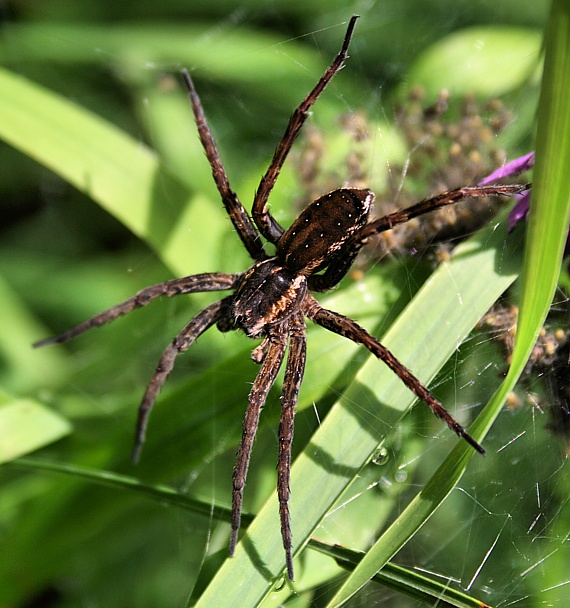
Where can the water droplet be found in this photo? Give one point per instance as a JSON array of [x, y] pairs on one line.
[[380, 456], [401, 476]]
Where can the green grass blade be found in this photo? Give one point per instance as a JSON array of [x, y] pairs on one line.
[[396, 577], [411, 583], [547, 233], [119, 173], [240, 55], [550, 206], [159, 492], [479, 272]]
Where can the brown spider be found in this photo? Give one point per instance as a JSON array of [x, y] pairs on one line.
[[271, 300]]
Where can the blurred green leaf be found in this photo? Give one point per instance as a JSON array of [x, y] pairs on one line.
[[119, 173], [25, 368], [26, 425], [489, 60], [243, 56]]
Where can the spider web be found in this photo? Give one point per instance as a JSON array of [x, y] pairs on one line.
[[497, 532]]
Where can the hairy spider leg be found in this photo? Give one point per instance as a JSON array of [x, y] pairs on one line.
[[264, 380], [209, 281], [344, 326], [238, 215], [441, 200], [215, 281], [268, 226], [346, 256], [294, 371], [191, 332]]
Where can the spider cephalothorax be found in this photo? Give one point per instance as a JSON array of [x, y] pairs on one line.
[[271, 300]]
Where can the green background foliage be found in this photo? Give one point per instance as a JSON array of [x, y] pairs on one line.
[[105, 189]]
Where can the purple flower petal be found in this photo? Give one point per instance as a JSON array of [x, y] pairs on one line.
[[519, 211], [522, 207], [515, 167]]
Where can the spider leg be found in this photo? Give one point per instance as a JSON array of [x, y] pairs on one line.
[[214, 281], [294, 371], [437, 202], [263, 382], [267, 225], [259, 352], [348, 328], [344, 259], [193, 330], [238, 215]]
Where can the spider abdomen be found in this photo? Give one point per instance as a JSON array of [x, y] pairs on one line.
[[323, 228], [268, 293]]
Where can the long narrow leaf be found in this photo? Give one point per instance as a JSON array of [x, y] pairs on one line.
[[548, 230], [478, 273], [119, 173]]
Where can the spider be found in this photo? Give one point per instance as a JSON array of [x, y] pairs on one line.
[[271, 300]]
